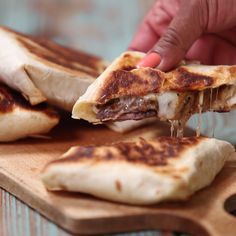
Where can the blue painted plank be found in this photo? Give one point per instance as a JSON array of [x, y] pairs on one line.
[[20, 220]]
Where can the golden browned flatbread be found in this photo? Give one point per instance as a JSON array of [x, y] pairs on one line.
[[124, 92], [143, 172], [19, 119], [45, 71]]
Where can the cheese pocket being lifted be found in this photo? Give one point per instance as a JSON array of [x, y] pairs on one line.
[[124, 92]]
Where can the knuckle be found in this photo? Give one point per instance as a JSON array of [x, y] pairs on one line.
[[199, 10], [172, 39]]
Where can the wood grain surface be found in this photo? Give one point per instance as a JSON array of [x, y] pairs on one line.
[[21, 163]]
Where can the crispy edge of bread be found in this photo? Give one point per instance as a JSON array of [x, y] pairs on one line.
[[188, 169]]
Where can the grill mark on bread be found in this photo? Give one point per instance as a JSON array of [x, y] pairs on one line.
[[72, 55], [9, 99], [125, 81], [58, 55], [130, 82], [119, 80], [186, 80], [150, 153]]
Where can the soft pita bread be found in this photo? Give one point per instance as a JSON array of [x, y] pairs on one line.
[[128, 125], [123, 92], [144, 172], [18, 119], [42, 70]]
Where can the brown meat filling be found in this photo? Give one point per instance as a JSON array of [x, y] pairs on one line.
[[127, 108], [136, 108]]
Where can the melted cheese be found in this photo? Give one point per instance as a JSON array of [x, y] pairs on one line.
[[177, 128], [172, 128], [167, 102], [232, 100], [180, 129], [211, 93], [200, 103], [217, 92]]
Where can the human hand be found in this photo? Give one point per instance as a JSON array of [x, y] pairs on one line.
[[203, 30]]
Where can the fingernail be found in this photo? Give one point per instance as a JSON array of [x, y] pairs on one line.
[[153, 59]]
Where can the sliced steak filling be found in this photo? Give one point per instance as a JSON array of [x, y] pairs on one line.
[[133, 108], [168, 105]]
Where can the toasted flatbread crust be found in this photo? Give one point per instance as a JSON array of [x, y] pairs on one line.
[[42, 70], [200, 77], [137, 82], [153, 153], [19, 119], [122, 79], [142, 172], [58, 55], [10, 99]]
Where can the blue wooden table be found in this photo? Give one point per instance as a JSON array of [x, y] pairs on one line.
[[17, 219]]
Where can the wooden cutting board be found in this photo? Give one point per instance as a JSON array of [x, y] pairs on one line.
[[22, 161]]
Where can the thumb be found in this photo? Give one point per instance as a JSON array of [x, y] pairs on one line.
[[184, 29]]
